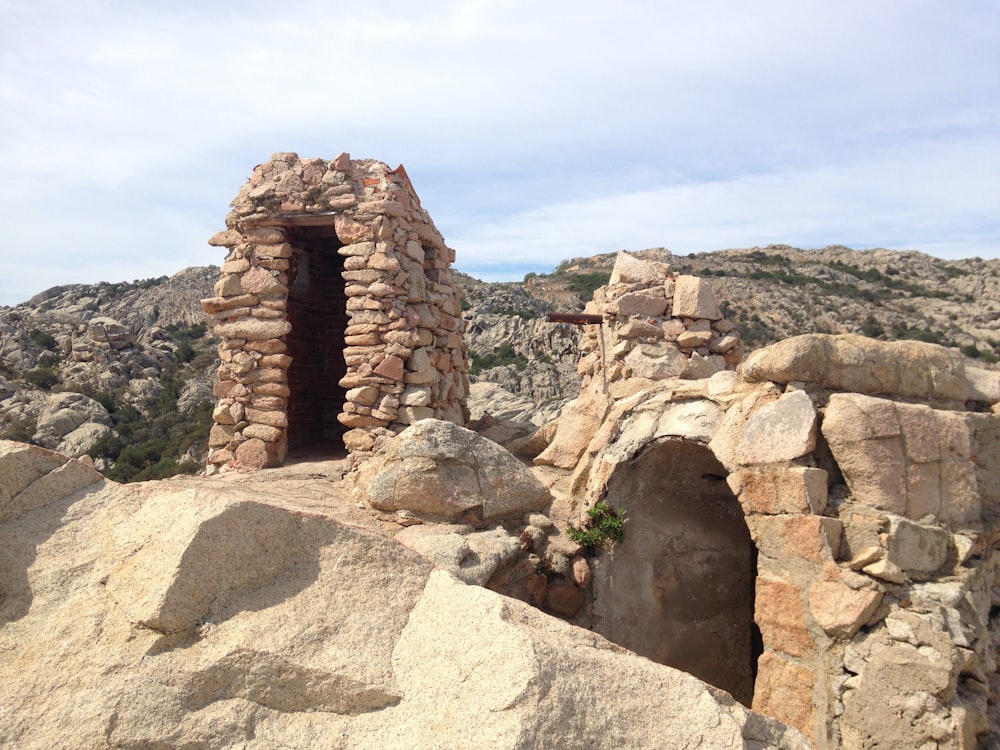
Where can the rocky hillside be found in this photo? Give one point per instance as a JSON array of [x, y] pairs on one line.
[[123, 371]]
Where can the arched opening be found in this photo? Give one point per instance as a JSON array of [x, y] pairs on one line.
[[680, 588], [317, 312]]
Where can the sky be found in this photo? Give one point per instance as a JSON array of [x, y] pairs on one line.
[[533, 132]]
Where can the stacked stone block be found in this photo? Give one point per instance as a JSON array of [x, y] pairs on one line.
[[404, 357], [657, 325]]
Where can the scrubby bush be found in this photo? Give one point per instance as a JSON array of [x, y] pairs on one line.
[[604, 527], [42, 377]]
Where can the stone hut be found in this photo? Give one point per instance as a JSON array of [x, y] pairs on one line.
[[337, 319]]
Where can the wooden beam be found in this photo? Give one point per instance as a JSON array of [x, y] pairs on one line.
[[579, 319]]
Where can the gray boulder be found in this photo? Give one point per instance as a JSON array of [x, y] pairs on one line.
[[436, 468]]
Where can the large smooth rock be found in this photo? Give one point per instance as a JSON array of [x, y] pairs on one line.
[[65, 412], [30, 476], [576, 427], [271, 627], [860, 364], [439, 469]]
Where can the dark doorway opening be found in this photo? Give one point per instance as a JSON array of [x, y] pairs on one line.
[[317, 311], [680, 589]]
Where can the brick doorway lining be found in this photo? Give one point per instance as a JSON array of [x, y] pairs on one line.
[[318, 316]]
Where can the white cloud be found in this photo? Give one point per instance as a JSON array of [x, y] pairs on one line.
[[556, 127]]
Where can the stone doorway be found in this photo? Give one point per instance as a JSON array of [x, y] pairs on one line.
[[317, 313], [680, 589]]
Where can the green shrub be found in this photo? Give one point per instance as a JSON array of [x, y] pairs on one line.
[[505, 355], [872, 328], [604, 527], [585, 284], [42, 377], [43, 339]]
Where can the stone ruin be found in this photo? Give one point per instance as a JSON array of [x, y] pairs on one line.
[[817, 533], [338, 321], [814, 530]]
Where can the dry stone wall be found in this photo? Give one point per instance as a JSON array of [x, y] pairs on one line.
[[337, 285], [867, 473], [658, 325]]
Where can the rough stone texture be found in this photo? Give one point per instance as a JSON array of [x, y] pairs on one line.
[[694, 298], [907, 459], [779, 489], [863, 365], [342, 351], [657, 326], [577, 425], [334, 637], [839, 609], [439, 469], [779, 431], [31, 476]]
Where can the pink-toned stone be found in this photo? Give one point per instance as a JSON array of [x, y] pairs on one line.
[[226, 238], [253, 329], [580, 570], [271, 418], [267, 403], [391, 367], [272, 389], [253, 454], [276, 360], [565, 601], [537, 586], [839, 609], [220, 435], [266, 235], [780, 615], [263, 432], [350, 231], [223, 388], [213, 305], [815, 539], [267, 346], [784, 690], [784, 489]]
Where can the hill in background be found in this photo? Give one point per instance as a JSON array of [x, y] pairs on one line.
[[123, 371]]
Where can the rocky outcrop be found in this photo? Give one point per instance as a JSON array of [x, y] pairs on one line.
[[911, 369], [211, 613], [109, 339]]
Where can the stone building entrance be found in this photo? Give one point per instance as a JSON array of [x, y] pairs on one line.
[[317, 313], [338, 320], [681, 590]]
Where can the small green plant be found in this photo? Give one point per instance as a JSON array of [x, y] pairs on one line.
[[604, 527]]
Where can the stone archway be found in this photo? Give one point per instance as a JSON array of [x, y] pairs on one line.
[[680, 589]]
